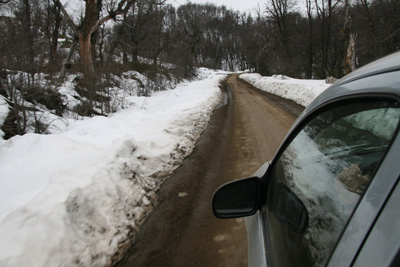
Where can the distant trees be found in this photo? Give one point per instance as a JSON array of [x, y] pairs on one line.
[[277, 38], [330, 37]]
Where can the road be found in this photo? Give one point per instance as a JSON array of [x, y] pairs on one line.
[[244, 132]]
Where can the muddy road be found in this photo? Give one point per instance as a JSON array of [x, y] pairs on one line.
[[244, 132]]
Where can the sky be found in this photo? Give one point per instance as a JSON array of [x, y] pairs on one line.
[[241, 5]]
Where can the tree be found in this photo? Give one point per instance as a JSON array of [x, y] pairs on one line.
[[137, 26], [53, 19], [90, 23], [309, 72], [350, 39], [160, 33], [190, 33], [86, 33], [325, 11], [278, 10]]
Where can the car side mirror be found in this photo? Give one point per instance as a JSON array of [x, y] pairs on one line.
[[237, 199]]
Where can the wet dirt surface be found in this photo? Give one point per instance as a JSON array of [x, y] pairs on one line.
[[243, 133]]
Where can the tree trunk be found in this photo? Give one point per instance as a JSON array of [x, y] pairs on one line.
[[371, 27], [67, 63], [135, 53], [85, 47], [350, 39], [29, 37], [350, 62], [114, 43], [309, 72], [85, 33], [54, 35]]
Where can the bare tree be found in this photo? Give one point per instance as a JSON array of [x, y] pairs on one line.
[[309, 73], [350, 39], [27, 25], [52, 26], [279, 9], [90, 23], [190, 34], [86, 33], [325, 11], [279, 12], [136, 29], [160, 33]]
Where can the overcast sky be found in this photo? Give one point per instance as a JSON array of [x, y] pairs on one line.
[[241, 5]]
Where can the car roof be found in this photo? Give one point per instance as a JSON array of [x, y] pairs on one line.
[[390, 82]]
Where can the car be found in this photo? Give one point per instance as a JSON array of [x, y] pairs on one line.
[[331, 194]]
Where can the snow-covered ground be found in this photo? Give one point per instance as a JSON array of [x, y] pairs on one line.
[[300, 91], [75, 197]]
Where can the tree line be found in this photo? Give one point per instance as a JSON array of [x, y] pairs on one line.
[[276, 38]]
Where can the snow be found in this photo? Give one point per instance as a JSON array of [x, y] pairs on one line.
[[302, 92], [76, 196]]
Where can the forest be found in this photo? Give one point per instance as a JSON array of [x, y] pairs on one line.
[[40, 38]]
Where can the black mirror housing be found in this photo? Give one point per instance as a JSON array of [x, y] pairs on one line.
[[236, 199]]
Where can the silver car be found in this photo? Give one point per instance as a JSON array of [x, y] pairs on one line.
[[331, 194]]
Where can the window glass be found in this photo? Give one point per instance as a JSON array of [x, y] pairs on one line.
[[318, 180]]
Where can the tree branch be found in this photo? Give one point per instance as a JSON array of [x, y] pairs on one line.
[[112, 14], [71, 22]]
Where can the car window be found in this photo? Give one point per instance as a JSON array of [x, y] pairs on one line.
[[316, 183]]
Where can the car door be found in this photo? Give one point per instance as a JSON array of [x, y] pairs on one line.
[[325, 178]]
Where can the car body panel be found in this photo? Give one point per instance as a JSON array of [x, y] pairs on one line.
[[255, 234], [255, 240], [382, 246]]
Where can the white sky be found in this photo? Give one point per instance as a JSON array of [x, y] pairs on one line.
[[241, 5]]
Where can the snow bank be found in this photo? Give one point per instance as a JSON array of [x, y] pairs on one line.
[[302, 92], [75, 198]]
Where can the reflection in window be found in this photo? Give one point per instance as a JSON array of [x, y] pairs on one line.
[[328, 166]]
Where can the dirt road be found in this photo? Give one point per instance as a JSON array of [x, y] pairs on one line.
[[244, 132]]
